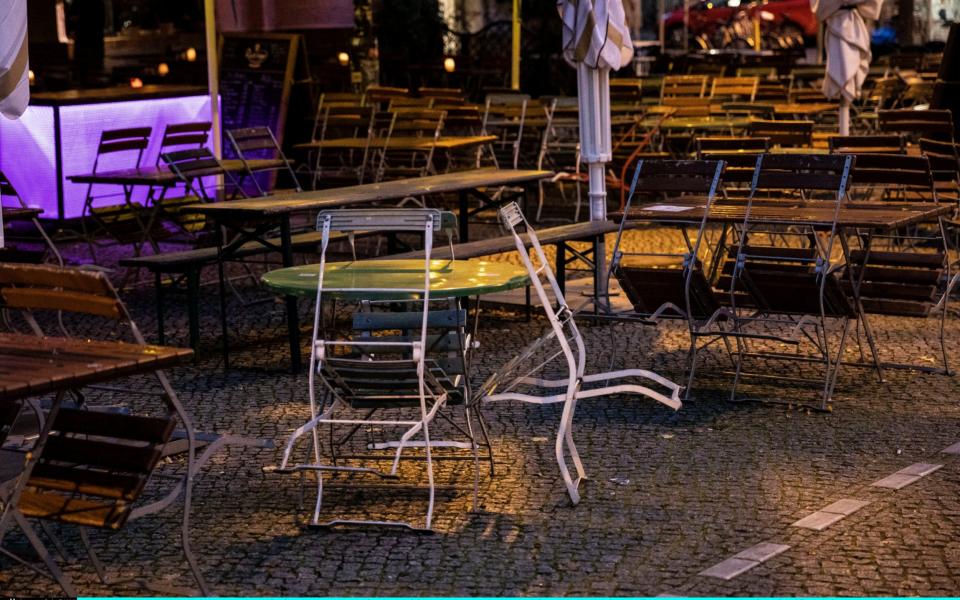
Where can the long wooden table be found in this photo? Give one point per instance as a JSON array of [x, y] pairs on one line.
[[161, 177], [253, 219], [32, 366], [399, 143], [884, 216]]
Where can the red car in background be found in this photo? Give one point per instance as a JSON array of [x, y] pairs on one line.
[[708, 19]]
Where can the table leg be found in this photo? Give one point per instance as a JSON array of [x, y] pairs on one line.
[[855, 288], [293, 316], [158, 283], [561, 270], [193, 307], [225, 344], [464, 216]]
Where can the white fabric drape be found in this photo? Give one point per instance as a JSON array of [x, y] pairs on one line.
[[14, 67], [595, 40], [847, 43], [595, 33]]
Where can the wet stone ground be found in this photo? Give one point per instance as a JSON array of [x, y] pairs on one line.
[[669, 494]]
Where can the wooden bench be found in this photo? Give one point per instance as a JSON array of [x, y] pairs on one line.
[[560, 236], [189, 263]]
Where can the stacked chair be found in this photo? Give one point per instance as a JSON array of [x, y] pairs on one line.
[[529, 376], [397, 370]]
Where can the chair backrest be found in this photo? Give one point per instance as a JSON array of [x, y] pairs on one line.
[[257, 143], [874, 144], [49, 288], [651, 290], [380, 96], [560, 143], [806, 76], [191, 166], [933, 124], [944, 161], [626, 90], [251, 139], [783, 133], [804, 172], [184, 135], [684, 85], [504, 116], [734, 88], [378, 372], [894, 172], [133, 140]]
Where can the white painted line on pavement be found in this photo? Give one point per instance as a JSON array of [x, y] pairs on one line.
[[744, 561], [906, 476]]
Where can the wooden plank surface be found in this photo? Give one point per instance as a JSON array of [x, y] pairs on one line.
[[400, 143], [816, 213], [398, 189], [150, 175], [31, 366], [16, 213]]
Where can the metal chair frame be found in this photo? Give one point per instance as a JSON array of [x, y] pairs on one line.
[[562, 341], [329, 386]]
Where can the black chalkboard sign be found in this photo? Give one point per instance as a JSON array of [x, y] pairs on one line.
[[256, 74]]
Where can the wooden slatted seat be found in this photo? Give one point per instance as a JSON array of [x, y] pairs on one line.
[[92, 466]]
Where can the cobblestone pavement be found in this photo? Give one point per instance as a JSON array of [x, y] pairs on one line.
[[670, 493]]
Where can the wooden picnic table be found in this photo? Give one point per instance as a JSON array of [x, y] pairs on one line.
[[33, 366], [399, 143], [252, 219], [882, 216]]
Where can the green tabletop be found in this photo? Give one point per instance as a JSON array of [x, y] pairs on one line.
[[392, 279]]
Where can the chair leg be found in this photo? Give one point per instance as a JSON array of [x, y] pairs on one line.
[[94, 560], [185, 534], [427, 449], [61, 578], [486, 438], [476, 459], [55, 540]]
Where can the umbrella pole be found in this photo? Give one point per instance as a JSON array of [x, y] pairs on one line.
[[213, 73]]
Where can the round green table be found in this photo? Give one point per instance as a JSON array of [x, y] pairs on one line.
[[393, 279]]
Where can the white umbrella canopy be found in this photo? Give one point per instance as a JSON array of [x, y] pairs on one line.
[[14, 68], [847, 43], [595, 39]]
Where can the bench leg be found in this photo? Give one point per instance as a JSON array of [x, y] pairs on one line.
[[158, 283], [193, 307]]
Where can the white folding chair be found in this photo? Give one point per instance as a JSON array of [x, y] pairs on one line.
[[528, 370], [353, 378]]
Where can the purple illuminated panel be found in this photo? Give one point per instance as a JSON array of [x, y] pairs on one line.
[[28, 156]]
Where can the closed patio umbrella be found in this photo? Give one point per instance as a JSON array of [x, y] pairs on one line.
[[595, 40], [14, 69], [847, 43]]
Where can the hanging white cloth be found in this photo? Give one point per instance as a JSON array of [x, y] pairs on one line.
[[595, 40], [847, 43], [595, 33], [14, 67]]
